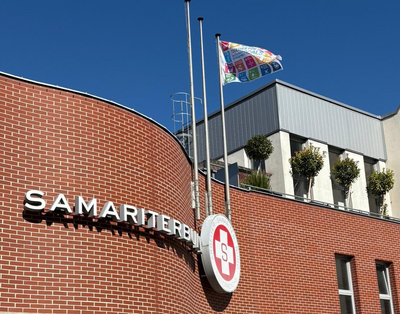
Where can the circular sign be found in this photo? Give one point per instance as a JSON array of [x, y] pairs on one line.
[[220, 253]]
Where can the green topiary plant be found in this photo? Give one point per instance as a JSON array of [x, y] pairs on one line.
[[345, 172], [259, 148], [307, 163], [379, 183], [256, 179]]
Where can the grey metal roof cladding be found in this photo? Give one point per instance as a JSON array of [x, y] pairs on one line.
[[312, 117], [257, 114], [279, 105]]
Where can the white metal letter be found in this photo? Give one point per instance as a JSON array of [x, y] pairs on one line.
[[162, 223], [195, 239], [81, 207], [185, 233], [140, 217], [109, 211], [175, 227], [128, 213], [34, 203], [61, 204], [151, 219]]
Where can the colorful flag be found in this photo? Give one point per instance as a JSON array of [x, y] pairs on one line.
[[241, 63]]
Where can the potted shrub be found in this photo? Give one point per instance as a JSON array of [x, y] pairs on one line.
[[307, 163], [259, 148], [256, 179], [345, 172], [379, 183]]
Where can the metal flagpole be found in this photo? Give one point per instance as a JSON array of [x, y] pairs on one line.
[[221, 93], [193, 112], [209, 210]]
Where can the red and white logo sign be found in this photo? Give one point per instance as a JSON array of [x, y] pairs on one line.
[[220, 253], [224, 253]]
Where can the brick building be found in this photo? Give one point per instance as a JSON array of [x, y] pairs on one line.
[[296, 257]]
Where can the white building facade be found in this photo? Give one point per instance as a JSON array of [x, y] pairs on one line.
[[294, 118]]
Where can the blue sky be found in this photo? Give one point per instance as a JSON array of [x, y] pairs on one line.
[[135, 52]]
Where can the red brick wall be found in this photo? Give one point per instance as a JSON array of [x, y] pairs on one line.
[[59, 141]]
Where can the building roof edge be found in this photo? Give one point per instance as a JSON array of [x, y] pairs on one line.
[[391, 114], [101, 99], [335, 102]]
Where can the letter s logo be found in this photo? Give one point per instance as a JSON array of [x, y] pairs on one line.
[[34, 203], [224, 249]]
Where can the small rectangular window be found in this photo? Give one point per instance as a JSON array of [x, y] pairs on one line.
[[345, 285], [373, 200], [337, 189], [385, 295], [300, 184], [256, 163]]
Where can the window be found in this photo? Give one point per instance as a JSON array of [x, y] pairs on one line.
[[300, 184], [385, 295], [373, 200], [256, 163], [337, 190], [345, 285]]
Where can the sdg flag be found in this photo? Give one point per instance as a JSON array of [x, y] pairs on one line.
[[241, 63]]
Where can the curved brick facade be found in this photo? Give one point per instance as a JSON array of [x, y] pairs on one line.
[[60, 141]]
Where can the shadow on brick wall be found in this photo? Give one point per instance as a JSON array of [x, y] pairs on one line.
[[217, 301], [117, 229]]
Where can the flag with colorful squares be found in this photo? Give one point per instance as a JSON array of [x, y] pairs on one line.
[[241, 63]]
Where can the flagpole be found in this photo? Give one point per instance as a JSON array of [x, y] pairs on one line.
[[209, 210], [221, 94], [193, 112]]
